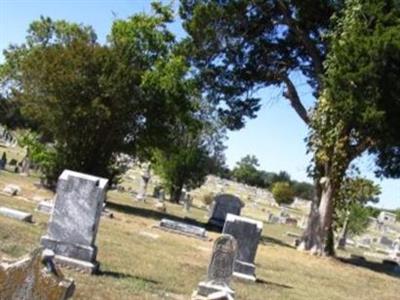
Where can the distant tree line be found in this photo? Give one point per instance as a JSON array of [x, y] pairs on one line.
[[247, 171]]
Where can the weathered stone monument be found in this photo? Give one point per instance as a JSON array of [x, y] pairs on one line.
[[247, 233], [221, 206], [34, 277], [143, 184], [75, 219], [220, 270], [183, 228]]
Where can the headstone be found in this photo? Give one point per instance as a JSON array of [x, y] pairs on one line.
[[291, 221], [385, 241], [183, 228], [34, 277], [247, 233], [187, 204], [45, 207], [220, 269], [75, 219], [16, 214], [221, 206], [395, 252], [144, 183], [12, 189], [160, 206]]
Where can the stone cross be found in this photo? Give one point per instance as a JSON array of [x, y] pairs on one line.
[[75, 219], [247, 233], [220, 269]]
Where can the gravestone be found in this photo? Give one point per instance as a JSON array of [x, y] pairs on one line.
[[385, 241], [221, 206], [395, 252], [143, 184], [247, 233], [220, 269], [183, 228], [75, 219], [12, 189], [34, 277], [45, 207], [16, 214]]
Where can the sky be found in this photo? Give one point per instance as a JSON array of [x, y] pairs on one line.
[[275, 137]]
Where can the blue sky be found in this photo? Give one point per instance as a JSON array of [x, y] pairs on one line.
[[275, 137]]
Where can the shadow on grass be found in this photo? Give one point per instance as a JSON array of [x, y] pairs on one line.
[[118, 275], [270, 283], [265, 240], [149, 213], [386, 268]]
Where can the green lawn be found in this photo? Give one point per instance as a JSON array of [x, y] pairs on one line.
[[139, 261]]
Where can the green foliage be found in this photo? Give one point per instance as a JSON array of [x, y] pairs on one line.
[[351, 202], [283, 192], [44, 156], [303, 190], [246, 171], [94, 101], [397, 212], [207, 198]]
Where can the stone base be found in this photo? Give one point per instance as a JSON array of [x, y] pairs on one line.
[[244, 270], [205, 289], [79, 252], [81, 265]]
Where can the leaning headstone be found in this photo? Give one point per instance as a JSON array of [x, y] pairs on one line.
[[221, 206], [220, 269], [12, 189], [75, 219], [34, 277], [16, 214], [247, 233], [183, 228]]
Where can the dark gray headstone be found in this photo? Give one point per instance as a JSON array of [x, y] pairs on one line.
[[222, 205], [385, 241], [75, 219], [220, 269], [247, 233]]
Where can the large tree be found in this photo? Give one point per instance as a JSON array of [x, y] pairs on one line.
[[241, 46], [90, 100]]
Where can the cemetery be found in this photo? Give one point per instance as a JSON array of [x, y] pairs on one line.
[[136, 260], [199, 150]]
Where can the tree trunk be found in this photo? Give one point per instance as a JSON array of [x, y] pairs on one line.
[[317, 238], [343, 234]]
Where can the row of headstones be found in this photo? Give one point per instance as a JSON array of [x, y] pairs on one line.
[[7, 137], [76, 214], [19, 167]]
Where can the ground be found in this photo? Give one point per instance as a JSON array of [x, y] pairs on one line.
[[139, 261]]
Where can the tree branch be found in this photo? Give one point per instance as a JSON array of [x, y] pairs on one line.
[[304, 39], [294, 99]]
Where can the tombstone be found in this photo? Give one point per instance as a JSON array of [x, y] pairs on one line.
[[395, 252], [45, 207], [143, 185], [12, 190], [75, 219], [34, 277], [187, 204], [16, 214], [183, 228], [221, 206], [182, 197], [156, 191], [385, 241], [291, 221], [3, 161], [247, 233], [220, 269]]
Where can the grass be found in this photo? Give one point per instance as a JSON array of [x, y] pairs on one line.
[[139, 261]]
